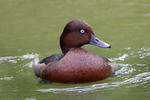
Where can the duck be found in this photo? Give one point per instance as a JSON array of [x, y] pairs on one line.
[[75, 64]]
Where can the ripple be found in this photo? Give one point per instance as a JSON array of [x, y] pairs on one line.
[[30, 99], [131, 3], [141, 78], [143, 55], [124, 72], [7, 58], [144, 52], [7, 78], [128, 48], [78, 89], [122, 58], [27, 56], [141, 64], [138, 4], [13, 59], [146, 14], [28, 64]]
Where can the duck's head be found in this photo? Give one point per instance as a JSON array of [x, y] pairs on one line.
[[78, 33]]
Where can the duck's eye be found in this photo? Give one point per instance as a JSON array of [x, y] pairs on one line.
[[82, 31]]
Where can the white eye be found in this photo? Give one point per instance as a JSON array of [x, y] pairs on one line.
[[82, 31]]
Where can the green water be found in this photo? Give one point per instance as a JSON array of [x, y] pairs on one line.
[[28, 27]]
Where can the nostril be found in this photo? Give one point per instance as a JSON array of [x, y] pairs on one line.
[[96, 40]]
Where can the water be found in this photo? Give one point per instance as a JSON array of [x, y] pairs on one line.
[[30, 27]]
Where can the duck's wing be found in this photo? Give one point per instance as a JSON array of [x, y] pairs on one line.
[[104, 58], [114, 66], [52, 58]]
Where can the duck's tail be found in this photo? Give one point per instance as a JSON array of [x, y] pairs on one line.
[[37, 67], [114, 68]]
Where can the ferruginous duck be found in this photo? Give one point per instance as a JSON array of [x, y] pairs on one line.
[[75, 64]]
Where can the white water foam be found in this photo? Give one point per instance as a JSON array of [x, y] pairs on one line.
[[14, 59], [121, 58], [7, 78], [144, 52], [30, 99]]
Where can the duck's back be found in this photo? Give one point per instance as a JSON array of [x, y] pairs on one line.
[[52, 58], [78, 65]]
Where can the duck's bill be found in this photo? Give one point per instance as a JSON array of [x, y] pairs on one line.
[[95, 41]]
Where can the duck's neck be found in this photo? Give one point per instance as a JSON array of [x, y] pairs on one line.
[[66, 46], [65, 50], [63, 47]]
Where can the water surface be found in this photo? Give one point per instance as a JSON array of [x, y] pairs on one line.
[[29, 27]]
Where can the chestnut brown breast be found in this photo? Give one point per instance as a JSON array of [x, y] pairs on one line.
[[78, 65]]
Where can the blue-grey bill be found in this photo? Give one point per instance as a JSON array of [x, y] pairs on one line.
[[95, 41]]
